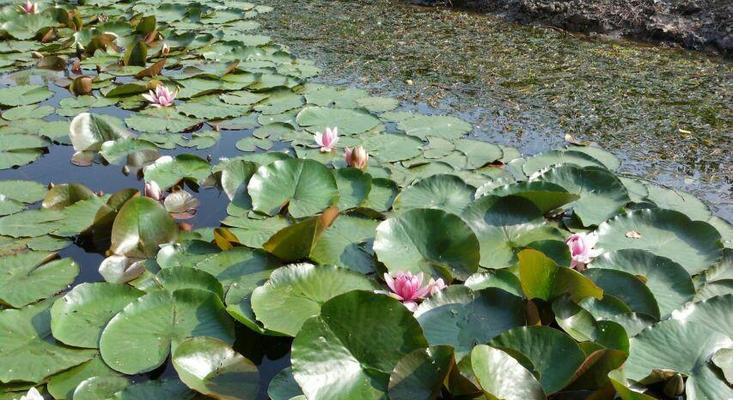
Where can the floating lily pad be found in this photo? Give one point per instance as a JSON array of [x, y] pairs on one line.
[[602, 195], [140, 227], [211, 367], [682, 347], [446, 192], [423, 126], [349, 121], [167, 170], [139, 338], [667, 280], [296, 292], [543, 346], [460, 318], [427, 240], [693, 244], [420, 374], [77, 319], [304, 186], [501, 376], [360, 360], [27, 348], [33, 276], [22, 95]]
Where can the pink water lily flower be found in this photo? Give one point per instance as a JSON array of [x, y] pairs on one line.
[[327, 140], [356, 157], [161, 97], [409, 289], [29, 7], [153, 191], [581, 249]]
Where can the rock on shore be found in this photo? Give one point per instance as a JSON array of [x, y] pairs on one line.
[[695, 24]]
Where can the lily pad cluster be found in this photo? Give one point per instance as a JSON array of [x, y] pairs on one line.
[[307, 240]]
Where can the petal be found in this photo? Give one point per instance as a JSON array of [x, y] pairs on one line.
[[390, 281]]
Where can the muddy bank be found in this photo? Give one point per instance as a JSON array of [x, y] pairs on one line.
[[695, 24]]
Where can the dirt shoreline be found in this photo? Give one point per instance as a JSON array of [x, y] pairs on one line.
[[694, 24]]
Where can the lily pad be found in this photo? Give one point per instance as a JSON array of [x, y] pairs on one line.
[[21, 95], [423, 126], [460, 318], [77, 318], [446, 192], [693, 244], [166, 171], [359, 361], [140, 227], [427, 240], [349, 121], [33, 276], [139, 338], [503, 377], [27, 348], [306, 187], [211, 367], [295, 293]]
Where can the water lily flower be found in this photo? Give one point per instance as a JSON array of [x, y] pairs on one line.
[[29, 7], [161, 97], [165, 50], [181, 205], [581, 249], [153, 191], [436, 286], [409, 289], [356, 157], [33, 394], [328, 139]]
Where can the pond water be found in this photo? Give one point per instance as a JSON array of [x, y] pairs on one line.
[[667, 113]]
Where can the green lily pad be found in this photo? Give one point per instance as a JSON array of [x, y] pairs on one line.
[[306, 187], [546, 196], [503, 377], [420, 374], [295, 293], [166, 171], [26, 347], [349, 121], [99, 387], [446, 192], [62, 385], [693, 244], [627, 288], [21, 95], [353, 185], [427, 240], [211, 367], [503, 225], [678, 201], [550, 158], [33, 276], [682, 347], [542, 278], [140, 227], [77, 318], [139, 338], [30, 223], [358, 361], [543, 347], [423, 126], [460, 318], [667, 280], [391, 148], [602, 195], [347, 243]]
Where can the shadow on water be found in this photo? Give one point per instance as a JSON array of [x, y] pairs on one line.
[[666, 113]]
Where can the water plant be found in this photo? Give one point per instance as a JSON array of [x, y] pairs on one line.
[[440, 268]]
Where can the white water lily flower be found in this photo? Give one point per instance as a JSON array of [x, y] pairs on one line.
[[33, 394]]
